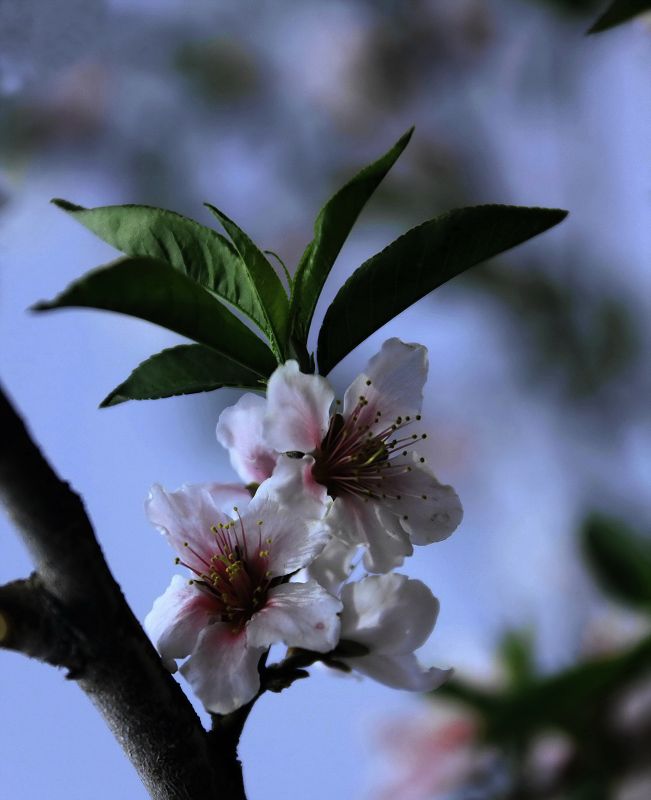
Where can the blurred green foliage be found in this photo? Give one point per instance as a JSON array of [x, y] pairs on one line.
[[588, 704]]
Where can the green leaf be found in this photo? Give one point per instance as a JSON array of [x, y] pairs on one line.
[[570, 700], [517, 656], [156, 292], [331, 229], [620, 560], [619, 11], [418, 262], [198, 252], [264, 282], [185, 369]]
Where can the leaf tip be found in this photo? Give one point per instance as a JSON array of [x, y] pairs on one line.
[[41, 305], [406, 136], [114, 398], [65, 205]]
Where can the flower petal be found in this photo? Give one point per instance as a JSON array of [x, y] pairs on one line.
[[298, 409], [223, 670], [293, 486], [239, 430], [177, 618], [400, 671], [429, 511], [291, 539], [357, 520], [390, 614], [298, 614], [333, 565], [392, 384], [186, 516]]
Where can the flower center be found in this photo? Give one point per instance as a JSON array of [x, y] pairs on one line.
[[356, 460], [236, 577]]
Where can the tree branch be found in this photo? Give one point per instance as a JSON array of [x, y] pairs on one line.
[[31, 623], [114, 661]]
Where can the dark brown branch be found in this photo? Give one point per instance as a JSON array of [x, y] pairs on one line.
[[116, 665], [32, 623]]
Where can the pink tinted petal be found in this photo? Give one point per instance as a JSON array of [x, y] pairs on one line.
[[334, 564], [298, 614], [298, 409], [428, 510], [356, 520], [186, 516], [293, 486], [176, 620], [390, 614], [397, 375], [400, 671], [388, 543], [223, 669], [291, 540], [239, 430]]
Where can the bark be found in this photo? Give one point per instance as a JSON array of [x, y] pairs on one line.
[[72, 614]]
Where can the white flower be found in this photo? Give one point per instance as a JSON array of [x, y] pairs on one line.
[[390, 615], [238, 603], [385, 497]]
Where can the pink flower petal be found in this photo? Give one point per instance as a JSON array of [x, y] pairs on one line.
[[239, 429], [298, 409], [298, 614], [390, 614], [333, 565], [186, 516], [356, 520], [400, 671], [392, 383], [293, 486], [291, 540], [429, 511], [176, 620], [223, 669]]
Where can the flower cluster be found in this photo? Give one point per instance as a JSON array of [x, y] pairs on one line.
[[330, 490]]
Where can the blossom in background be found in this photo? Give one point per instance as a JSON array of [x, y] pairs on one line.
[[239, 601], [429, 755], [391, 616], [361, 454]]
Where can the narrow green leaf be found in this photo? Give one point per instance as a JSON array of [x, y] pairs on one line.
[[568, 700], [517, 656], [198, 252], [156, 292], [185, 369], [264, 282], [331, 229], [620, 560], [619, 11], [418, 262]]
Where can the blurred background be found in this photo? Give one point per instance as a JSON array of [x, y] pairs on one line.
[[537, 405]]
